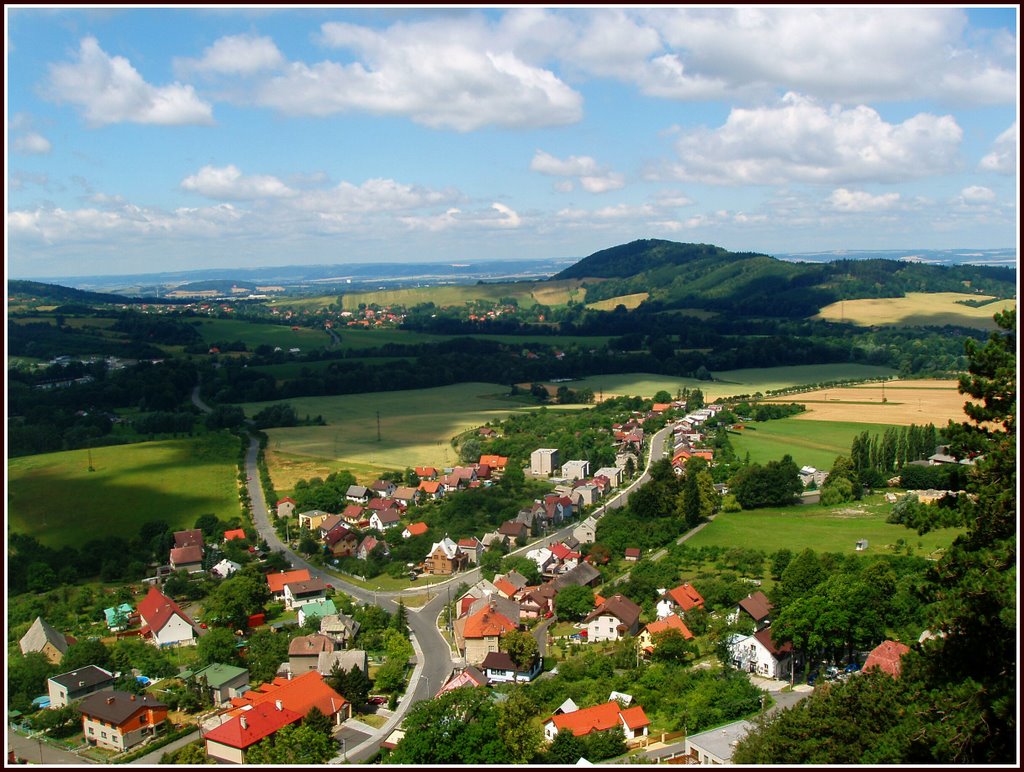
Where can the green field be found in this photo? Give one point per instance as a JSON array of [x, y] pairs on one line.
[[416, 428], [54, 497], [813, 443], [253, 334], [729, 383], [823, 529]]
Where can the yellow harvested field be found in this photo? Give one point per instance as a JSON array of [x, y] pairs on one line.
[[906, 402], [917, 308], [629, 301]]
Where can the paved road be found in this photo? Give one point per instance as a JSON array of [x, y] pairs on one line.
[[39, 752]]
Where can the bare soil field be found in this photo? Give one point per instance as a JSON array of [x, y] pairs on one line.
[[897, 403], [918, 308]]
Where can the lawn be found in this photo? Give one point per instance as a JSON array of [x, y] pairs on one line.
[[918, 308], [416, 428], [813, 443], [54, 496], [823, 529], [729, 382]]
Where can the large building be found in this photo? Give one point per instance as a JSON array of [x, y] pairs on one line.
[[120, 720], [544, 461]]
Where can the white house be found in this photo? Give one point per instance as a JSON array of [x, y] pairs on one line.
[[543, 557], [575, 470], [613, 473], [716, 746], [586, 532], [225, 568], [759, 654], [544, 461], [302, 592], [384, 519], [164, 623], [613, 620]]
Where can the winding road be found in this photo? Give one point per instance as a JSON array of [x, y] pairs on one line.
[[434, 661]]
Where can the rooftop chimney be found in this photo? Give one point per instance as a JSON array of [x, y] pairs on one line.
[[243, 722], [110, 700], [132, 698], [278, 704]]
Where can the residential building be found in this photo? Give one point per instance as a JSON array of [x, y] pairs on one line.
[[444, 558], [286, 507], [678, 600], [384, 520], [716, 746], [359, 494], [304, 652], [299, 693], [613, 620], [276, 582], [188, 559], [231, 741], [544, 461], [225, 568], [414, 529], [118, 617], [575, 470], [339, 627], [313, 518], [78, 684], [472, 548], [887, 657], [164, 623], [120, 720], [302, 592], [222, 682], [467, 676], [499, 667], [369, 544], [481, 631], [609, 717], [757, 607], [234, 533], [673, 622], [586, 532], [346, 660], [760, 655], [341, 541], [612, 473], [190, 538], [319, 609]]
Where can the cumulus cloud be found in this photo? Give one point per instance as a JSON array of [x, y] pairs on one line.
[[592, 177], [108, 89], [448, 76], [235, 55], [801, 140], [510, 218], [977, 194], [32, 144], [1003, 158], [858, 201], [229, 183]]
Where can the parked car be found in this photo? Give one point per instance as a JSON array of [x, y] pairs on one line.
[[853, 667], [378, 699]]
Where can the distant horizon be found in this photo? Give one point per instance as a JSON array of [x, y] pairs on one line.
[[175, 138]]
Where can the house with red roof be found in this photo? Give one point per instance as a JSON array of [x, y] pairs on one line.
[[679, 600], [414, 529], [164, 623], [672, 622], [277, 581], [300, 693], [480, 632], [341, 541], [887, 657], [433, 489], [613, 620], [285, 507], [190, 538], [351, 514], [496, 463], [632, 554], [472, 548], [609, 717], [188, 559], [468, 676], [120, 720], [234, 533], [230, 741], [384, 519], [426, 472], [757, 607], [759, 654]]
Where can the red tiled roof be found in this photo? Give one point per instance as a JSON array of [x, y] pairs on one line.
[[487, 623], [184, 555], [505, 587], [262, 721], [188, 538], [686, 597], [336, 534], [156, 609], [765, 637], [300, 694], [237, 533], [309, 645], [887, 656], [417, 529], [757, 605], [425, 471], [430, 486], [494, 462], [352, 512], [632, 552], [671, 622], [599, 718], [618, 606], [277, 581], [286, 499]]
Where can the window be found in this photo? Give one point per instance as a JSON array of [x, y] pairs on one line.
[[143, 718], [103, 735], [91, 730]]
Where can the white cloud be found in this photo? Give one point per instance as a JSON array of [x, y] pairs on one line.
[[32, 144], [800, 140], [592, 177], [977, 194], [229, 183], [235, 55], [107, 89], [564, 186], [55, 225], [510, 219], [1003, 158], [448, 76], [858, 201]]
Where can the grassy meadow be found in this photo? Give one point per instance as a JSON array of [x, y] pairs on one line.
[[54, 496], [416, 428], [628, 301], [823, 529], [729, 383], [918, 308], [813, 443], [253, 334]]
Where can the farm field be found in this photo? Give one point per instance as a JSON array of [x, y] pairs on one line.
[[823, 529], [416, 428], [629, 301], [549, 293], [729, 383], [253, 334], [55, 498], [917, 308], [810, 443], [906, 402]]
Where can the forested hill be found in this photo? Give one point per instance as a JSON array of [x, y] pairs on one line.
[[678, 275], [37, 292]]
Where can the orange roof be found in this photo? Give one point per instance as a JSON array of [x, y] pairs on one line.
[[686, 597], [281, 578], [156, 609], [886, 657], [660, 407], [487, 623], [417, 529], [260, 722], [505, 587], [237, 533], [599, 718], [430, 486], [300, 694], [495, 462], [672, 622]]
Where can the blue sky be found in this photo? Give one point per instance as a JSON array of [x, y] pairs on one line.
[[164, 139]]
